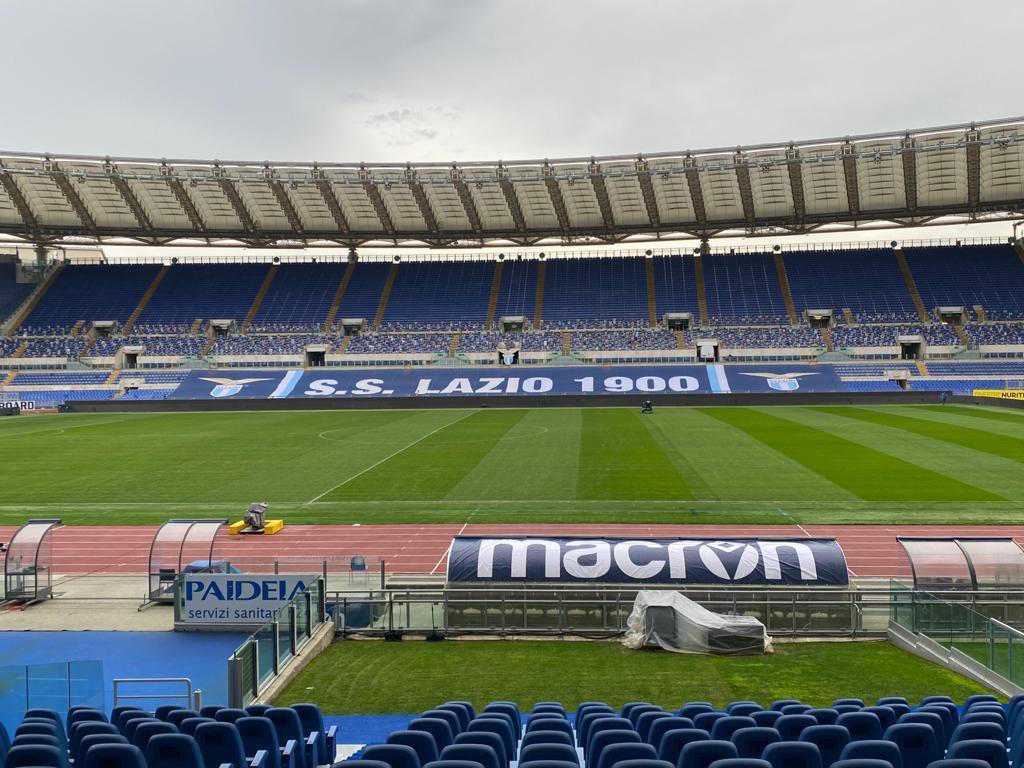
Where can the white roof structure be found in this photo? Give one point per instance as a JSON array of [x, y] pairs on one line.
[[952, 174]]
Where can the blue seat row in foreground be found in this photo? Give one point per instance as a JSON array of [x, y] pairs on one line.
[[259, 736], [936, 733]]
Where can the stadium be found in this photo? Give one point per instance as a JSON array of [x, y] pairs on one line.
[[698, 458]]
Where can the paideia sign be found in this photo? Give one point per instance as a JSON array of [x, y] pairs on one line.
[[235, 599]]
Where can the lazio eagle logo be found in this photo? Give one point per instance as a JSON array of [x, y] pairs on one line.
[[229, 387], [783, 382]]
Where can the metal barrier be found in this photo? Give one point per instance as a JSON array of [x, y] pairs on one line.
[[260, 658], [603, 611], [193, 698]]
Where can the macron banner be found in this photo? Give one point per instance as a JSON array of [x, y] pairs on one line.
[[797, 562], [526, 380], [223, 598]]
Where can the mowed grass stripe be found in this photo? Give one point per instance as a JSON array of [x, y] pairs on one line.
[[869, 474], [619, 459], [431, 468], [1005, 416], [976, 439]]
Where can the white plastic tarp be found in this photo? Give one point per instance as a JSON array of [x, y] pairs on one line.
[[669, 620]]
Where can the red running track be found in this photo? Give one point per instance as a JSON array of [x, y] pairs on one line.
[[871, 550]]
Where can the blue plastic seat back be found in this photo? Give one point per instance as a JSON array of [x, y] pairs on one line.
[[983, 717], [824, 716], [791, 726], [546, 764], [584, 724], [778, 704], [792, 754], [886, 715], [132, 725], [454, 764], [629, 706], [477, 753], [643, 763], [500, 727], [662, 726], [935, 699], [510, 709], [508, 730], [536, 752], [98, 738], [211, 710], [548, 724], [947, 713], [220, 743], [863, 726], [84, 715], [750, 742], [448, 716], [47, 714], [548, 708], [884, 700], [992, 752], [469, 708], [229, 715], [605, 724], [43, 726], [461, 712], [604, 739], [161, 712], [41, 755], [492, 740], [546, 737], [855, 702], [88, 728], [741, 762], [436, 727], [695, 708], [421, 741], [701, 754], [614, 754], [313, 721], [743, 707], [725, 727], [917, 742], [862, 762], [395, 755], [113, 756], [932, 719], [706, 720], [843, 708], [173, 750], [766, 718], [189, 725], [673, 742], [646, 721], [872, 749], [146, 731], [979, 697], [37, 738], [352, 763], [289, 728], [258, 710], [116, 712], [959, 762], [967, 731], [636, 712], [258, 733], [796, 709], [178, 715], [829, 739]]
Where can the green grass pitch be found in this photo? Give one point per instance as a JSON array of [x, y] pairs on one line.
[[377, 678], [782, 464]]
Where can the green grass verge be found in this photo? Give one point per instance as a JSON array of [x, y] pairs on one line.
[[784, 464], [371, 677]]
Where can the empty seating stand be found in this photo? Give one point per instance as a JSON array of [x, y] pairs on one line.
[[300, 294], [595, 288], [93, 292], [207, 291], [988, 275], [440, 292]]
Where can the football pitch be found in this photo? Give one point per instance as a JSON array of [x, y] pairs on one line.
[[782, 464]]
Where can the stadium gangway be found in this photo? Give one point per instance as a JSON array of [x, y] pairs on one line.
[[603, 611], [28, 565]]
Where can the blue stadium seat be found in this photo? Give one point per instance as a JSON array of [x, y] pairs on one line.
[[936, 699], [43, 726], [643, 763], [449, 717], [32, 739], [98, 738], [967, 731], [881, 702], [646, 721], [886, 715], [695, 708], [662, 726], [855, 702], [603, 739], [863, 726], [84, 715], [862, 762], [978, 697], [546, 737], [506, 708], [701, 754], [395, 755], [468, 706], [982, 717], [146, 731], [161, 712], [454, 764], [132, 725], [289, 728], [706, 720], [548, 708], [796, 709], [229, 715], [792, 754], [88, 728], [778, 704], [113, 756], [312, 722], [173, 751], [741, 762], [117, 712], [916, 742], [946, 710], [493, 740], [959, 762], [189, 724], [500, 727], [208, 710], [872, 750], [932, 720], [45, 714], [725, 727], [257, 733], [829, 739], [605, 724], [617, 753], [992, 752], [767, 718], [535, 752], [638, 710], [672, 742], [440, 729], [461, 711], [591, 716], [843, 709], [422, 742], [178, 715], [791, 726], [825, 716], [744, 708], [220, 743], [42, 756], [750, 742], [548, 723], [258, 710], [361, 763], [477, 753], [548, 764]]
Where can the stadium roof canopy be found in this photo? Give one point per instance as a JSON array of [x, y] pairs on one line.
[[950, 174]]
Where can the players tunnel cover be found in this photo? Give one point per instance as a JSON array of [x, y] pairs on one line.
[[803, 562]]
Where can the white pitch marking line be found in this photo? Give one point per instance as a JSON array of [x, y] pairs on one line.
[[388, 457], [445, 553]]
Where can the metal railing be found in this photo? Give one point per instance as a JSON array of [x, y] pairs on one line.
[[603, 611], [261, 657], [193, 697]]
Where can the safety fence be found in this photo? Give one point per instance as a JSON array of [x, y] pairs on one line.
[[968, 627], [261, 657], [57, 686]]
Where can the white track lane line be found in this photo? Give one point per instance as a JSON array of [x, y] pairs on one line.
[[389, 457], [445, 553]]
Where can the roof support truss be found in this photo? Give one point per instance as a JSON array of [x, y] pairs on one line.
[[511, 199], [377, 201], [601, 192], [973, 169], [178, 189], [422, 202], [796, 183], [643, 174], [237, 205], [466, 198], [67, 189], [910, 171], [281, 195], [557, 201], [743, 180], [696, 192], [850, 175], [14, 192], [128, 196]]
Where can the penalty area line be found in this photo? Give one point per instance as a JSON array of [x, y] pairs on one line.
[[388, 458]]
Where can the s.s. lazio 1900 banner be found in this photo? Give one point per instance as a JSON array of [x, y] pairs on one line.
[[804, 562], [526, 380]]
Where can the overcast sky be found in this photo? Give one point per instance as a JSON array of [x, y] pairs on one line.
[[477, 79]]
